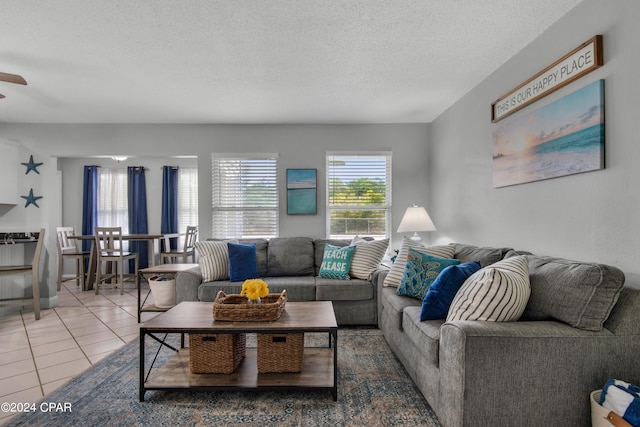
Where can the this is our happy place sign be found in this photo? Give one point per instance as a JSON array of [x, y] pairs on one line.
[[582, 60]]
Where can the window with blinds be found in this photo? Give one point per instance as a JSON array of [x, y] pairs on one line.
[[112, 198], [358, 195], [245, 195], [187, 198]]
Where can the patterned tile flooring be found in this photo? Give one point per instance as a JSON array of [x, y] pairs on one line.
[[37, 357]]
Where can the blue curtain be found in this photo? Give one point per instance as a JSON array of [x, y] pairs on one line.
[[169, 221], [137, 204], [89, 204]]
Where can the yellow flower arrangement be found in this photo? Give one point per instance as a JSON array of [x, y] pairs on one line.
[[254, 289]]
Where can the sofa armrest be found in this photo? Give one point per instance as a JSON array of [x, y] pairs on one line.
[[187, 283], [489, 368], [377, 279]]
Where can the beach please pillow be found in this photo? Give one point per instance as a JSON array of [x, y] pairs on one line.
[[336, 262]]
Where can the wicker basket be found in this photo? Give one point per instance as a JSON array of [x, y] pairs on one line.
[[280, 352], [236, 308], [216, 353]]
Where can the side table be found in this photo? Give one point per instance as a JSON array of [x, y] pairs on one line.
[[164, 269]]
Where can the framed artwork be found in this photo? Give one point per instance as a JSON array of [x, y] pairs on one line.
[[563, 138], [302, 191]]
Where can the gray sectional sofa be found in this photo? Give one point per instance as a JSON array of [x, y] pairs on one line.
[[537, 371], [293, 263]]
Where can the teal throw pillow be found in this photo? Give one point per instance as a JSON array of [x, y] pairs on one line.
[[336, 262], [420, 271]]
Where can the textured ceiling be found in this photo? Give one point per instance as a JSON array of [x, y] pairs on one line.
[[241, 61]]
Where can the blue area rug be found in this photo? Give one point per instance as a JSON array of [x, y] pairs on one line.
[[373, 389]]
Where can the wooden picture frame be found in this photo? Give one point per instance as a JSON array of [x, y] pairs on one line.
[[562, 138], [302, 197]]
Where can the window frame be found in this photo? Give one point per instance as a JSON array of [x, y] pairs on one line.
[[267, 168], [386, 207]]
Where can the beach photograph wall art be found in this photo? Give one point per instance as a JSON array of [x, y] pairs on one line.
[[301, 191], [562, 138]]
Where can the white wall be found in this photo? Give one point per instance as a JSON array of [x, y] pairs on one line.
[[591, 216], [69, 147]]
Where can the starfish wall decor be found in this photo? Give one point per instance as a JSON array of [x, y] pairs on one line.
[[32, 166], [31, 199]]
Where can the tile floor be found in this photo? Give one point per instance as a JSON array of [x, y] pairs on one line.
[[37, 357]]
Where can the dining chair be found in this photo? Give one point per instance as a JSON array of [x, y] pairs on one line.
[[33, 269], [69, 249], [110, 251], [185, 252]]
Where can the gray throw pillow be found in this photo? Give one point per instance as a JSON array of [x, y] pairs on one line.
[[290, 256]]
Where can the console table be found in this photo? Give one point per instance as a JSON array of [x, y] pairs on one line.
[[164, 269], [319, 367]]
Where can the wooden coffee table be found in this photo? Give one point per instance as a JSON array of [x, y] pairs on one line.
[[320, 364]]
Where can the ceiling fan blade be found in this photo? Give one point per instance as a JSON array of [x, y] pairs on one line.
[[12, 78]]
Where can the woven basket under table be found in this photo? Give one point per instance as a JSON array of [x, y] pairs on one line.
[[216, 353], [236, 308], [280, 352]]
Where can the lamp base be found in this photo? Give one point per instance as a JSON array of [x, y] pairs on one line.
[[416, 237]]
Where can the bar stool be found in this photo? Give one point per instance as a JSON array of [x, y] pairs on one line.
[[109, 250]]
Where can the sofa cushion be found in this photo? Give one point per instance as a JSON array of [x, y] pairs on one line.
[[213, 257], [298, 288], [395, 304], [577, 293], [242, 262], [498, 293], [436, 303], [261, 253], [290, 256], [485, 255], [397, 269], [339, 290], [367, 258], [424, 335], [336, 262], [420, 270]]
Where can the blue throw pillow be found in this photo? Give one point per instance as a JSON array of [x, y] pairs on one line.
[[420, 271], [242, 262], [336, 262], [441, 293]]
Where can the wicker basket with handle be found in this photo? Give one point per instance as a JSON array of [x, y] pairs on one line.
[[236, 308], [216, 353], [280, 352]]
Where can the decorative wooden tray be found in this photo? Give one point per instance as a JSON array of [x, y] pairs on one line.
[[236, 308]]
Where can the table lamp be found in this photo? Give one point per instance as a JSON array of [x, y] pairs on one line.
[[416, 219]]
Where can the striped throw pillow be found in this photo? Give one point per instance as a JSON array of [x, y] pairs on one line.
[[394, 276], [497, 293], [367, 257], [213, 257]]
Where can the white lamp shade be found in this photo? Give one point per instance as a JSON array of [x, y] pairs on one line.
[[416, 219]]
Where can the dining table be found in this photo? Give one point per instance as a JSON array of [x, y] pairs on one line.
[[93, 255]]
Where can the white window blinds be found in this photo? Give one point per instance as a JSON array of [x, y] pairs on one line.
[[112, 198], [359, 194], [187, 198], [245, 195]]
